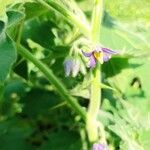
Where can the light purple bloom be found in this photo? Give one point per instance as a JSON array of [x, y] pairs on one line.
[[100, 54], [68, 65], [73, 66], [98, 146]]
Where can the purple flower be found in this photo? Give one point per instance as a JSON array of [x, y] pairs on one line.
[[68, 65], [98, 146], [100, 54], [74, 65]]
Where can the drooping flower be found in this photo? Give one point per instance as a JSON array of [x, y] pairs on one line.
[[68, 64], [74, 65], [100, 54], [98, 146]]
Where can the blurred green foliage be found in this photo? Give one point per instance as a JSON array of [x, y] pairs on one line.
[[129, 10], [33, 116]]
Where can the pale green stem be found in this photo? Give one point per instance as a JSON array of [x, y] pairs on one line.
[[68, 15], [60, 88], [97, 20], [95, 99]]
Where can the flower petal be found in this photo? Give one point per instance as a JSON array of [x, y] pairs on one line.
[[106, 57], [75, 67], [98, 49], [98, 146], [68, 64], [87, 54], [109, 51], [92, 61]]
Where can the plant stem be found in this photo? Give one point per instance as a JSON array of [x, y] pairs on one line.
[[60, 88], [95, 99], [68, 15], [97, 20]]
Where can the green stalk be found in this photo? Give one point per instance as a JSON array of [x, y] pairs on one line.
[[97, 20], [95, 99], [60, 88], [68, 15]]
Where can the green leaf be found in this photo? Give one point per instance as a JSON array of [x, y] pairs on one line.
[[70, 11], [2, 25], [34, 9], [39, 31], [14, 134], [143, 73], [13, 90], [3, 7], [117, 70], [63, 140], [144, 139], [7, 56], [14, 17], [110, 38], [1, 91], [114, 66], [126, 133], [15, 86], [42, 102], [3, 22], [129, 10]]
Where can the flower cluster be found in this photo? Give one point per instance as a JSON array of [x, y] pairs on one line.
[[74, 64]]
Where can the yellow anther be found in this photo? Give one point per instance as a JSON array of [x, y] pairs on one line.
[[99, 56]]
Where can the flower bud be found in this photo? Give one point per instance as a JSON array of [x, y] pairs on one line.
[[74, 65], [98, 146], [82, 68], [68, 65]]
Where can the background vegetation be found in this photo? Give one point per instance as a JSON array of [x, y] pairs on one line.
[[34, 115]]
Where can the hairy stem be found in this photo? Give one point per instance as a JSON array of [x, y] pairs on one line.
[[68, 15], [97, 20], [95, 99], [60, 88]]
